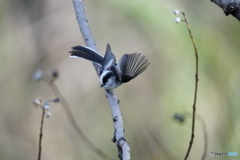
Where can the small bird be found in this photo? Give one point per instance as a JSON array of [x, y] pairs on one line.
[[113, 74]]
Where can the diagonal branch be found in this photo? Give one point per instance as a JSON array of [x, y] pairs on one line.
[[229, 7], [119, 137], [84, 28]]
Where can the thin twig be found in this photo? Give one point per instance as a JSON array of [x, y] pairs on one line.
[[41, 135], [119, 136], [196, 87], [72, 121]]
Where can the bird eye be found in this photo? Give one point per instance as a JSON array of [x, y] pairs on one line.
[[105, 79]]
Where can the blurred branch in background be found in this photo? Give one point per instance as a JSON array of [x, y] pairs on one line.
[[229, 7], [205, 134], [119, 136], [38, 76], [182, 117]]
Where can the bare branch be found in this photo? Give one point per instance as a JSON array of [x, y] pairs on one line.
[[119, 138], [41, 135], [196, 86], [84, 28], [229, 7]]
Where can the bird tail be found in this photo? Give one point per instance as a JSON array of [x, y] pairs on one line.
[[86, 53]]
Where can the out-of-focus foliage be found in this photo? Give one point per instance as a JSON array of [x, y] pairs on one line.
[[39, 34]]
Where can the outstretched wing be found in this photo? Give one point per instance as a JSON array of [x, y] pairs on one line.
[[109, 59], [86, 53], [132, 65]]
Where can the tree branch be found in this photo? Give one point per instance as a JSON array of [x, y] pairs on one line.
[[41, 135], [84, 28], [196, 86], [119, 138], [229, 7]]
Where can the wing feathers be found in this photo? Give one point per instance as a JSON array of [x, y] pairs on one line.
[[132, 65], [109, 58]]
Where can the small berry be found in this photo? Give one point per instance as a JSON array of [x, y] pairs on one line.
[[48, 114], [56, 100], [46, 106], [55, 74], [37, 102], [176, 12], [178, 20], [37, 75]]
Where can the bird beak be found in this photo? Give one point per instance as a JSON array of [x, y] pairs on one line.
[[102, 85]]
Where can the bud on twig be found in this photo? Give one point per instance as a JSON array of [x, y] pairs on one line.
[[37, 75]]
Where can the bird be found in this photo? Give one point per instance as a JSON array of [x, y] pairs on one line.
[[113, 74]]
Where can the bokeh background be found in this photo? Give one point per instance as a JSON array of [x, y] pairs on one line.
[[39, 34]]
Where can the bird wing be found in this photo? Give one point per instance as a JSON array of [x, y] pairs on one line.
[[86, 53], [109, 59], [132, 65]]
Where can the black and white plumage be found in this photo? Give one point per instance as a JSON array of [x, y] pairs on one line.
[[113, 74]]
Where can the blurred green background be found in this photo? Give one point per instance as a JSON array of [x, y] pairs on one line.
[[39, 34]]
